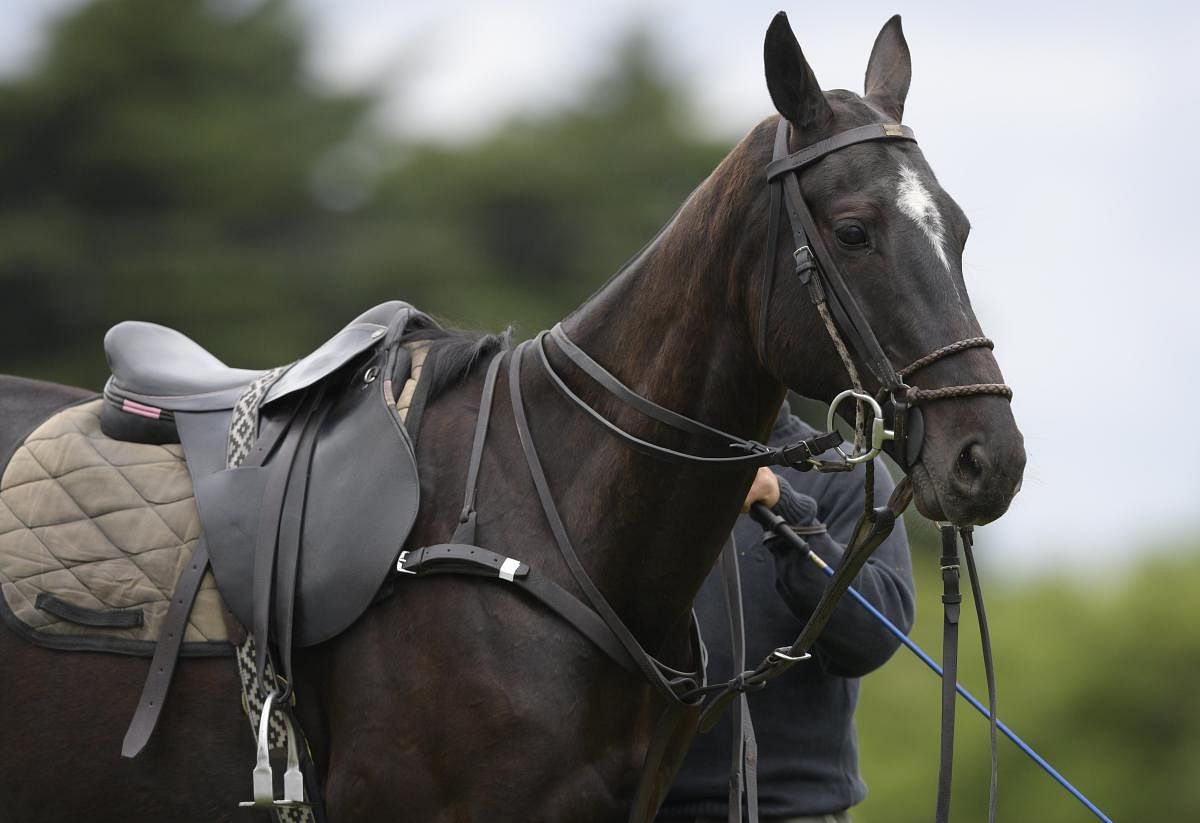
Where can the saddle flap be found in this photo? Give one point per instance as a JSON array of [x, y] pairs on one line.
[[360, 502]]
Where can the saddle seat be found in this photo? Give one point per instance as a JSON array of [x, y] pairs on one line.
[[158, 371], [155, 361]]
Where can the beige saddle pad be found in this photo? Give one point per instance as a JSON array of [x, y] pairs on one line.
[[93, 534]]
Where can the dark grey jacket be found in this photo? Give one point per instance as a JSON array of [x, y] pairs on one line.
[[808, 753]]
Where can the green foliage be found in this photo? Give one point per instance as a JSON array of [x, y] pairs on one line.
[[173, 162], [1096, 676], [157, 165]]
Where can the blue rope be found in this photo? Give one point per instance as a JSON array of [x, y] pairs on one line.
[[928, 661]]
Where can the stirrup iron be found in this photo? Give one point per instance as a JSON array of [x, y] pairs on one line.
[[264, 779]]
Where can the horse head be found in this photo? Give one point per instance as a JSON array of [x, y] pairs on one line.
[[895, 239]]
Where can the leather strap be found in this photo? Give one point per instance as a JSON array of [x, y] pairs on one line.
[[800, 455], [454, 558], [744, 756], [850, 318], [810, 154], [952, 601], [287, 551], [989, 669], [82, 615], [465, 532], [166, 653], [270, 517], [818, 270], [649, 668]]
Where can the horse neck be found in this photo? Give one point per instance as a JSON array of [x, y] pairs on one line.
[[673, 327]]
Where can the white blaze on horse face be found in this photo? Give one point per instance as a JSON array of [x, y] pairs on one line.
[[915, 201]]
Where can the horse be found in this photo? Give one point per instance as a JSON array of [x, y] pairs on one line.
[[454, 699]]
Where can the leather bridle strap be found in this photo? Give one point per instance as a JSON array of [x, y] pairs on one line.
[[952, 600], [818, 270], [813, 262], [800, 455], [989, 668], [650, 668], [951, 608], [465, 532]]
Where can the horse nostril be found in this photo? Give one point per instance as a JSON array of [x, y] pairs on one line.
[[972, 462]]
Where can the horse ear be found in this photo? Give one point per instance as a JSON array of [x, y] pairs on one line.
[[889, 70], [793, 86]]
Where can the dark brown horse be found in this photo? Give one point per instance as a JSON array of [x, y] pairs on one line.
[[457, 699]]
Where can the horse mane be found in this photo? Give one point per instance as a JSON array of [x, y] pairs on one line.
[[458, 352]]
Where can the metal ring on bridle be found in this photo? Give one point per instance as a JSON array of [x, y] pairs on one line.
[[879, 435]]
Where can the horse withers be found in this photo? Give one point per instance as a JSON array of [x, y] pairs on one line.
[[458, 699]]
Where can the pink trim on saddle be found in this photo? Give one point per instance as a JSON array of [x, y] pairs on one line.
[[138, 408]]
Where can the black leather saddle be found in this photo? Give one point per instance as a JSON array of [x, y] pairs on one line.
[[304, 532]]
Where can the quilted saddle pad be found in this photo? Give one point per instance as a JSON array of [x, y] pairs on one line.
[[93, 535]]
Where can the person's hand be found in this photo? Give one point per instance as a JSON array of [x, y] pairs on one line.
[[764, 489]]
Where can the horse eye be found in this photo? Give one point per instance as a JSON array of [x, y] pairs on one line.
[[851, 236]]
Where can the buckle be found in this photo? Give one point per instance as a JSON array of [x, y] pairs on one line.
[[802, 454], [400, 564], [806, 263], [781, 655]]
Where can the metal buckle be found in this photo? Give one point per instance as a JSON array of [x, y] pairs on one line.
[[781, 655], [806, 263], [879, 435], [893, 130], [400, 564]]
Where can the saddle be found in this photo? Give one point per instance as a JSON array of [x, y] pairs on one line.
[[303, 532]]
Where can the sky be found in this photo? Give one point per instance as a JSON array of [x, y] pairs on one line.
[[1064, 130]]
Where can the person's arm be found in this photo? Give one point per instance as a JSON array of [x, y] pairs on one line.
[[853, 642]]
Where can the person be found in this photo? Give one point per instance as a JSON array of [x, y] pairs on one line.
[[804, 720]]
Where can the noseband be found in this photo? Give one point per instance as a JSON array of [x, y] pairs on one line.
[[844, 320]]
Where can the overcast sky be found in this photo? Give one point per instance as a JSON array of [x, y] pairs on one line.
[[1065, 131]]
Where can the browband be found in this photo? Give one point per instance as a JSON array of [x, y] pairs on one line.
[[806, 155]]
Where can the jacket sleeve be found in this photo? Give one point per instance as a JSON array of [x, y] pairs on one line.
[[854, 642]]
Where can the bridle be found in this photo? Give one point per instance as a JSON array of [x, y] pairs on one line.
[[817, 269]]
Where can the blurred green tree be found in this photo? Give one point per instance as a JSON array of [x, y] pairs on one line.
[[1095, 673], [157, 163], [176, 163], [525, 223]]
